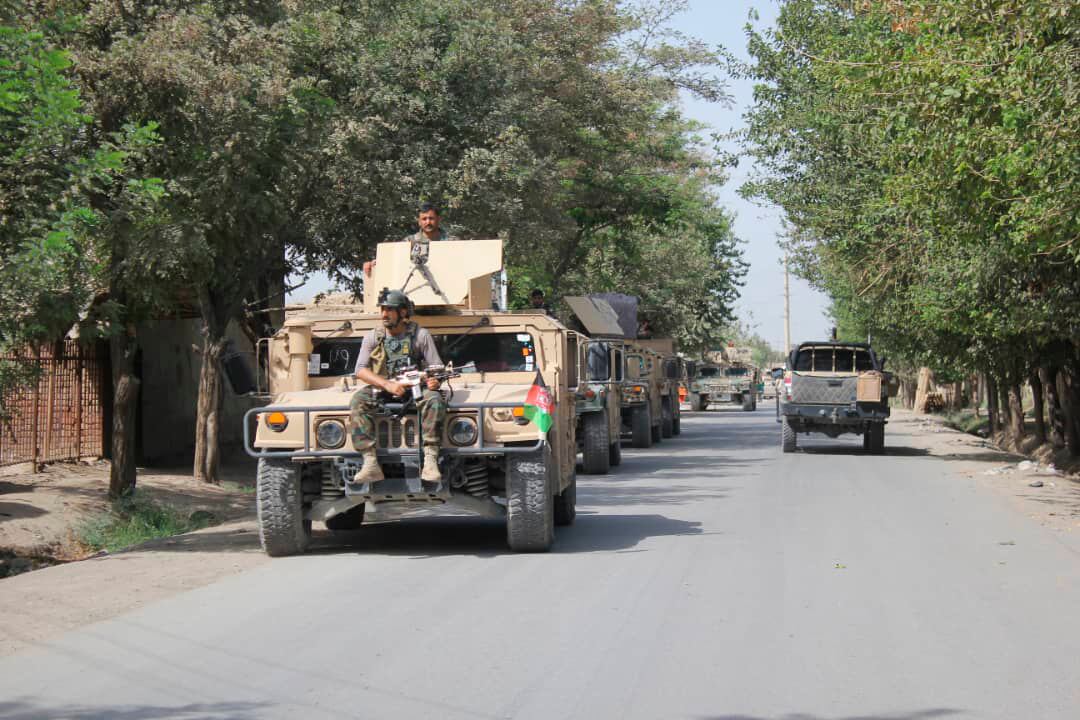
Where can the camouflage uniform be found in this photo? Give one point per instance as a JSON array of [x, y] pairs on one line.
[[390, 355]]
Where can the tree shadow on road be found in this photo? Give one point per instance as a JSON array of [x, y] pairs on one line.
[[24, 709], [912, 715]]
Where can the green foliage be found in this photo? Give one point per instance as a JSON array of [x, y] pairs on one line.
[[133, 520], [925, 154]]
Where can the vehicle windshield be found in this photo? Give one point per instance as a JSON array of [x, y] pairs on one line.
[[707, 372], [635, 367], [488, 352], [736, 372]]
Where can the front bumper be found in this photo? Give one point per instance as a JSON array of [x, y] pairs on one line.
[[854, 414]]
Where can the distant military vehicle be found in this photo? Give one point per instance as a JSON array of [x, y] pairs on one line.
[[641, 396], [494, 460], [668, 375], [599, 391], [835, 388], [726, 376]]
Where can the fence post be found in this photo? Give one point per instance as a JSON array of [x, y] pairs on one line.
[[36, 414], [78, 399], [50, 402]]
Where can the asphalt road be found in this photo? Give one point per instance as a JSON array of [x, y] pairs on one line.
[[708, 577]]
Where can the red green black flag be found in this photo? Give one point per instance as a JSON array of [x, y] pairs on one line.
[[538, 404]]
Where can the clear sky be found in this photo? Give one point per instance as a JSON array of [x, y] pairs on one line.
[[722, 22]]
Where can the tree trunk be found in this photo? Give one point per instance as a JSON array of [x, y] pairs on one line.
[[1016, 412], [1048, 378], [1067, 391], [1004, 410], [926, 381], [207, 451], [1039, 405], [991, 404], [122, 349]]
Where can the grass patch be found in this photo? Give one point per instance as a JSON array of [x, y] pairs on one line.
[[137, 519], [233, 486], [966, 421]]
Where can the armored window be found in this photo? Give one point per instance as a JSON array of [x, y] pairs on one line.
[[845, 360], [335, 357], [597, 362], [863, 360], [572, 367], [736, 372], [488, 352], [708, 372], [617, 362], [805, 360]]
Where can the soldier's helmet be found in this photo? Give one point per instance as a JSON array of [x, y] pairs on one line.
[[394, 299]]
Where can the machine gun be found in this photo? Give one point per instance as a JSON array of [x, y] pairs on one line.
[[416, 380]]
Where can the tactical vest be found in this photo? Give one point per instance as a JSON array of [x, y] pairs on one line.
[[393, 353]]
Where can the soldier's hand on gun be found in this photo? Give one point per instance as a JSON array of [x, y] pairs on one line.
[[433, 383], [395, 388]]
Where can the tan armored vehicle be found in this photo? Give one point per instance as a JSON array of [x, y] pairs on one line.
[[642, 386], [599, 392], [493, 460], [668, 375]]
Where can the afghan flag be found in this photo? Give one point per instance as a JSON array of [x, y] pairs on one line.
[[538, 404]]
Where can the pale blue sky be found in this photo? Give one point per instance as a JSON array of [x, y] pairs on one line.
[[721, 22]]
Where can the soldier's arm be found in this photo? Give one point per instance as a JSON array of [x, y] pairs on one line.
[[430, 353]]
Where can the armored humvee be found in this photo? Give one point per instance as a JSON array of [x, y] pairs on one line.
[[599, 391], [494, 461], [727, 376], [667, 376], [642, 388], [835, 388]]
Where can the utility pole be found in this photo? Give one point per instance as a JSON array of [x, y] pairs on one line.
[[787, 309]]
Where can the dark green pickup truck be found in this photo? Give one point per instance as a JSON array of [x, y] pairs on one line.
[[835, 388]]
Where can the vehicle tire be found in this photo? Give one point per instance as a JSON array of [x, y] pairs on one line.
[[351, 519], [657, 436], [787, 436], [877, 438], [530, 507], [747, 404], [676, 423], [866, 440], [615, 453], [280, 508], [566, 504], [695, 402], [596, 459], [667, 419], [641, 427], [753, 405]]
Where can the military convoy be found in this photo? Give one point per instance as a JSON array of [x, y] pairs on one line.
[[835, 388], [494, 461]]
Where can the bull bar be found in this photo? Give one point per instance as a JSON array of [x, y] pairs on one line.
[[477, 448]]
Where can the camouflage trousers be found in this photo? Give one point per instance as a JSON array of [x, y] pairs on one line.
[[367, 402]]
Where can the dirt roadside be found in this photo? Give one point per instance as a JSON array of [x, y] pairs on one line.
[[39, 605], [39, 514]]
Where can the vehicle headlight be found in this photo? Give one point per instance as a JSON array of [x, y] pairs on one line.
[[462, 431], [330, 434]]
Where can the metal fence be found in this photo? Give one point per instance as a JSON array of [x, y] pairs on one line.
[[60, 417]]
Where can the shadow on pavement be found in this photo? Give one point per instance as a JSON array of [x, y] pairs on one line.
[[481, 537], [21, 709], [896, 451], [913, 715]]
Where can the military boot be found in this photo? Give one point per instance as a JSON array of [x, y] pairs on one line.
[[431, 472], [370, 472]]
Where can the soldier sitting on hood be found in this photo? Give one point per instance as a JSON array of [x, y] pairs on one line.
[[386, 351]]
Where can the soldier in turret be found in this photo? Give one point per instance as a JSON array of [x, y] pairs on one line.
[[428, 220], [386, 351]]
